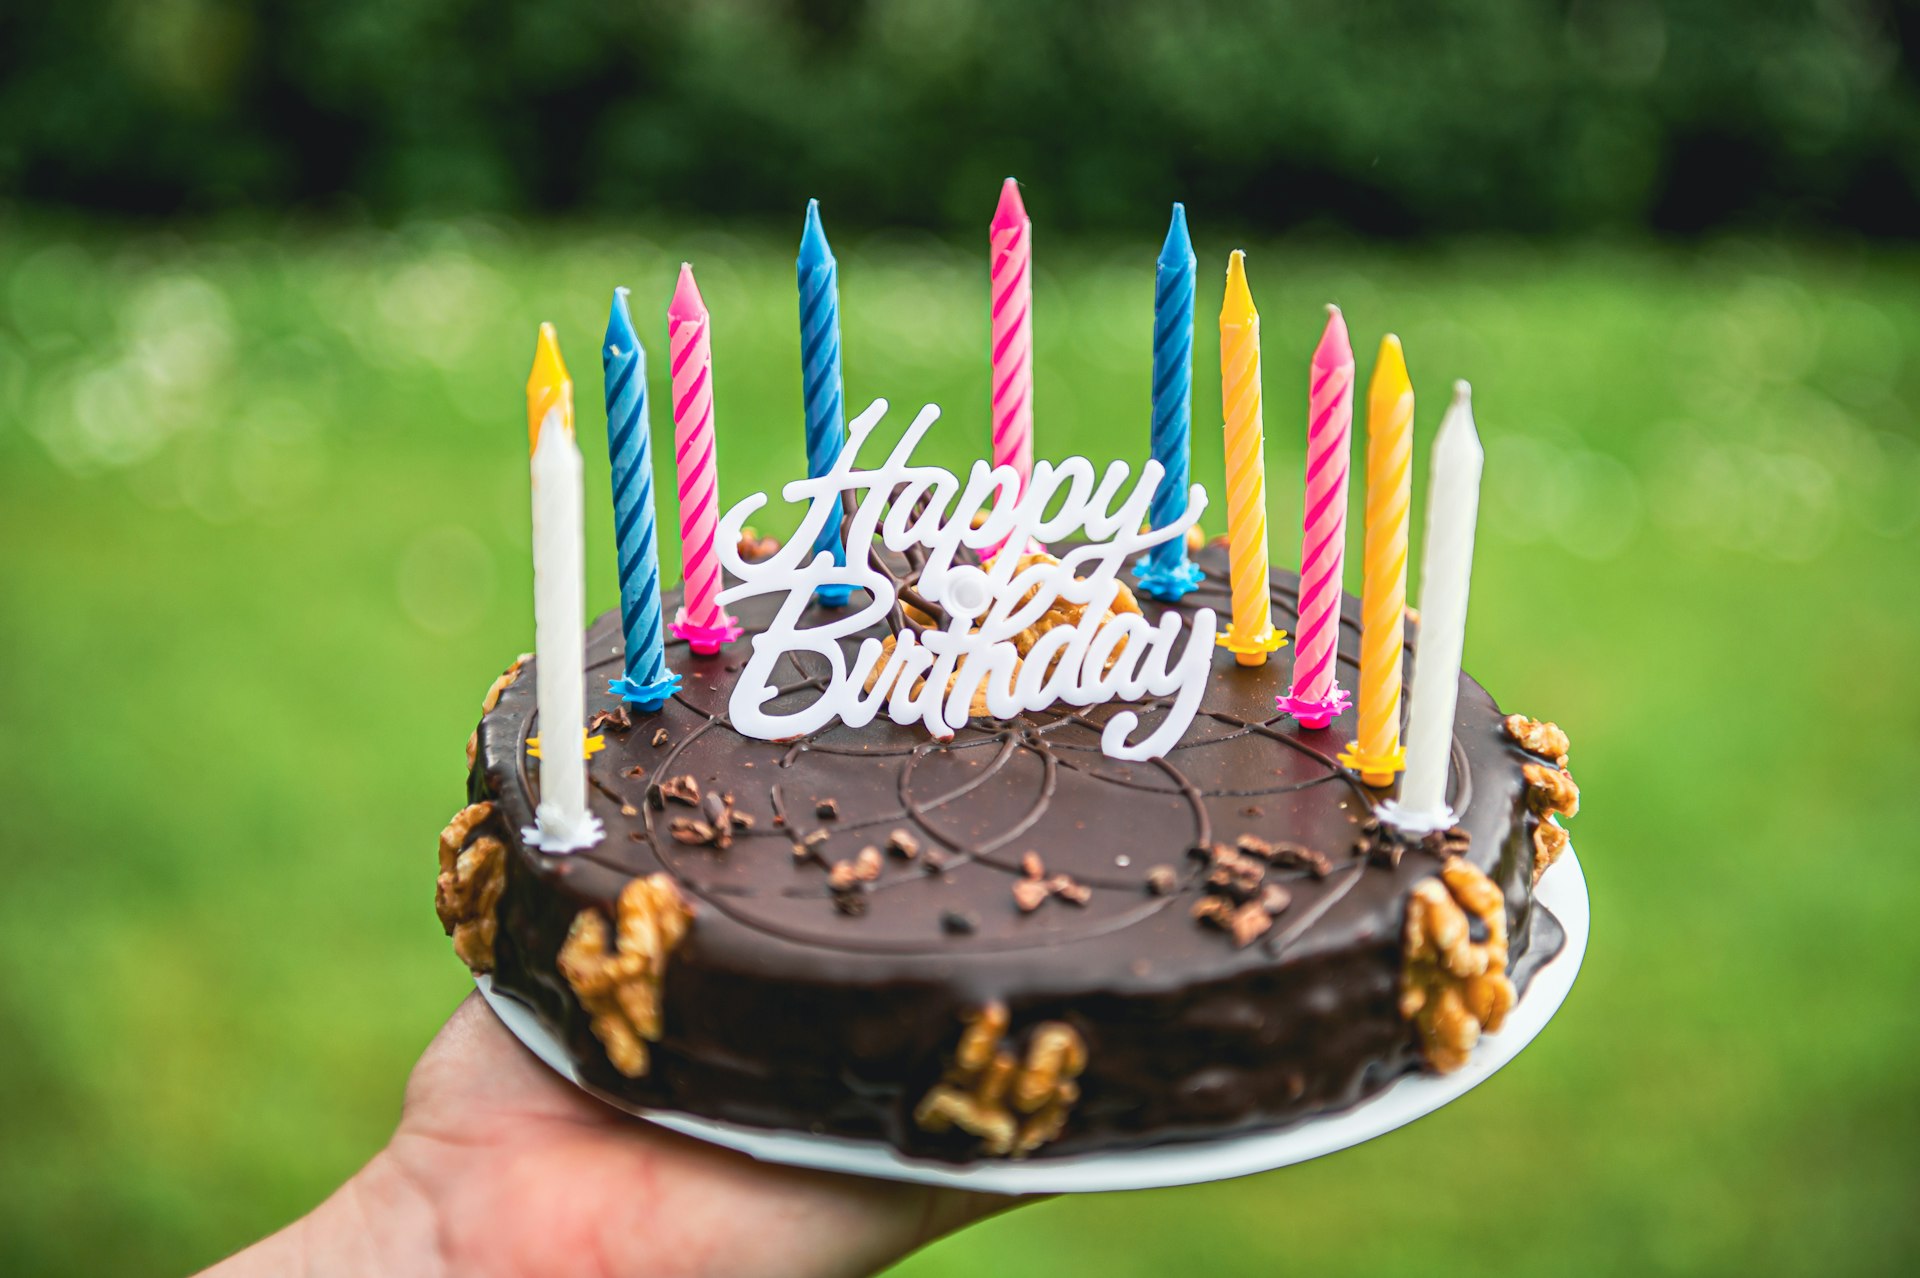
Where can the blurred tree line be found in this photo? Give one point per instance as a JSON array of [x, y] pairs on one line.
[[1421, 115]]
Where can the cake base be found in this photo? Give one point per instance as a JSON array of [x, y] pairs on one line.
[[1562, 891]]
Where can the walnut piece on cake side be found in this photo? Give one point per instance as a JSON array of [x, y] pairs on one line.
[[1453, 987], [619, 987], [1012, 1105], [1551, 792], [492, 699], [473, 871]]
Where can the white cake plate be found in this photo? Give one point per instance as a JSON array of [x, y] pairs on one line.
[[1563, 890]]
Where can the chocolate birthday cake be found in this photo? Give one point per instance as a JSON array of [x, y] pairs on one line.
[[1008, 943]]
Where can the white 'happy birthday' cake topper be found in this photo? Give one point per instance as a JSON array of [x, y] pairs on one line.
[[1102, 657]]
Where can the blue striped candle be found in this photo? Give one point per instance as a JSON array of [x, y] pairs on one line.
[[1167, 573], [647, 683], [820, 380]]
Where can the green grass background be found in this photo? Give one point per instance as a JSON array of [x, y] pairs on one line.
[[263, 525]]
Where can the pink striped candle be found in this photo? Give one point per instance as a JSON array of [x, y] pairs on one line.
[[1316, 697], [1011, 282], [701, 621]]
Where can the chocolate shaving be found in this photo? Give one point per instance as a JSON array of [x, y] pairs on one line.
[[903, 845], [1029, 894], [1162, 880], [1289, 856], [1069, 890], [689, 830], [827, 808], [617, 718], [848, 881], [1238, 877], [808, 848], [1239, 900], [681, 789], [1441, 844], [1213, 909], [660, 737], [958, 923], [1248, 924], [715, 825], [1295, 857]]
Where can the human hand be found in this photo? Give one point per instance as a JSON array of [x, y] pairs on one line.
[[500, 1169]]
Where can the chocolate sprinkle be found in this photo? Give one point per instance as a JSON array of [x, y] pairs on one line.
[[681, 789], [617, 718], [958, 923]]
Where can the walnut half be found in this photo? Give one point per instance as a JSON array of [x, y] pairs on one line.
[[1454, 988], [1549, 841], [1013, 1106], [1545, 739], [620, 987], [1551, 791], [473, 871]]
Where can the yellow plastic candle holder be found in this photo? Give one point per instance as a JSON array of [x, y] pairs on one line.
[[1377, 770], [590, 746], [1253, 652]]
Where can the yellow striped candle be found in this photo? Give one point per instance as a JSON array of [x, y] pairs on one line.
[[1378, 755], [1251, 636]]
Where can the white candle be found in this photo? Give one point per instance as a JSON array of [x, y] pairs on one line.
[[562, 822], [1446, 567]]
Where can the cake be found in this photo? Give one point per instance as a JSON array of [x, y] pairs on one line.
[[1007, 944], [915, 832]]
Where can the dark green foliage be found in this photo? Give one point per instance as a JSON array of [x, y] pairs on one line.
[[1385, 117]]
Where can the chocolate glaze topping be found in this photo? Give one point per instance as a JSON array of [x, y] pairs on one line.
[[784, 1009]]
